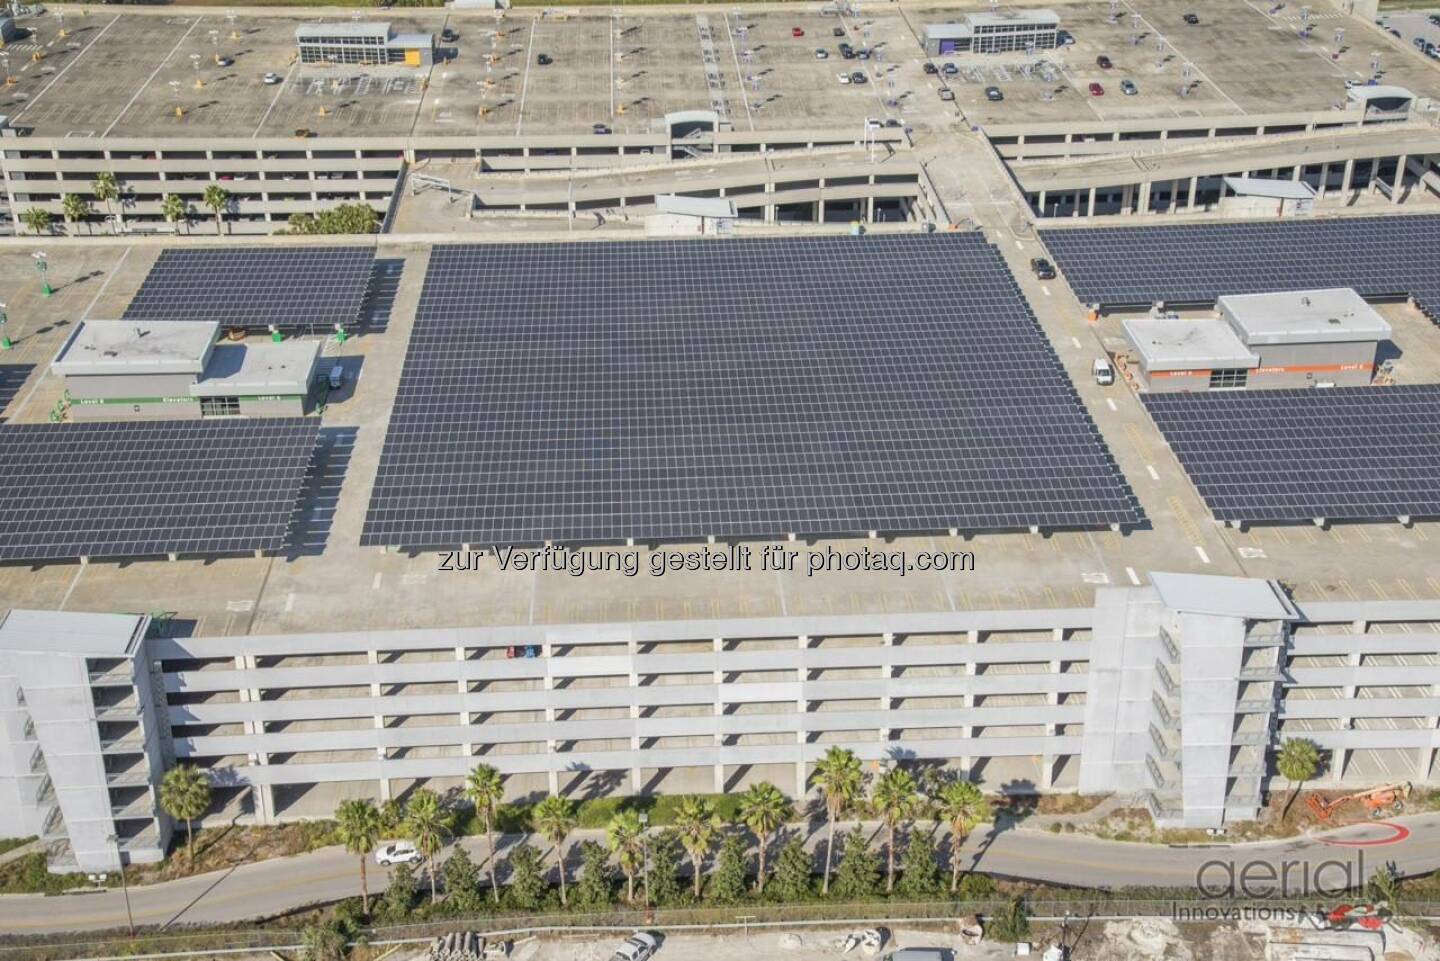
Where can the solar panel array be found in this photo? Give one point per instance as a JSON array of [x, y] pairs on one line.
[[12, 378], [131, 489], [304, 288], [1347, 453], [745, 387], [1198, 263]]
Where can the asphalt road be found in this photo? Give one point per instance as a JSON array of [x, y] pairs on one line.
[[267, 888]]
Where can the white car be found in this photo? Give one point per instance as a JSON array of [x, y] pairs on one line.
[[638, 947], [396, 852], [843, 77], [271, 79]]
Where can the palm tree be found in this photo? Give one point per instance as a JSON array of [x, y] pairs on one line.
[[555, 817], [697, 824], [217, 198], [896, 798], [428, 825], [627, 841], [76, 208], [839, 778], [962, 806], [175, 208], [107, 189], [1297, 762], [763, 809], [37, 219], [358, 827], [485, 787], [185, 795]]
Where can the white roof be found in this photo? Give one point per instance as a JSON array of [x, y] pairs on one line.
[[1038, 17], [350, 28], [1379, 91], [1246, 597], [1188, 345], [249, 370], [411, 41], [60, 632], [694, 206], [1264, 187], [948, 31], [136, 347], [1330, 316]]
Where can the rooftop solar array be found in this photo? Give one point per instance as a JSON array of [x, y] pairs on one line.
[[1347, 453], [304, 288], [670, 390], [1198, 263], [130, 489], [12, 378]]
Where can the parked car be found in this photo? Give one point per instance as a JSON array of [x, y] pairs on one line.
[[396, 852], [599, 128], [1419, 43], [837, 31], [1064, 38], [1104, 62], [448, 35], [1434, 18], [1042, 268], [847, 51], [640, 946], [993, 94], [930, 68], [1096, 90], [863, 53], [822, 54], [1395, 33], [796, 32], [223, 61], [859, 77], [946, 93], [1128, 88], [1192, 19], [843, 77], [271, 79], [544, 59], [951, 70], [336, 377], [1103, 373]]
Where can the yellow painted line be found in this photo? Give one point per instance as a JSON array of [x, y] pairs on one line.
[[1407, 589], [1281, 535], [1420, 533], [1319, 590], [1050, 596], [1184, 518], [1345, 586], [1379, 591], [1434, 584]]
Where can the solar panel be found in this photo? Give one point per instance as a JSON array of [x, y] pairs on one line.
[[1347, 453], [746, 387], [12, 378], [304, 288], [140, 489], [1197, 263]]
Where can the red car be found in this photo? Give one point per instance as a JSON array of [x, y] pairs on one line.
[[796, 32], [1096, 90]]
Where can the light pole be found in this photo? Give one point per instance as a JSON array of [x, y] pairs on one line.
[[42, 264], [4, 319], [124, 887]]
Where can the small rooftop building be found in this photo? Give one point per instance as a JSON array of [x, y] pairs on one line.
[[118, 369], [1381, 102], [1186, 355], [1307, 338], [677, 215], [363, 43], [1265, 197], [1000, 31]]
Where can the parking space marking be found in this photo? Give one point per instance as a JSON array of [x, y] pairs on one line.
[[1134, 578], [1111, 402], [66, 69], [1154, 475], [525, 77], [1045, 290], [375, 582], [274, 100], [1204, 558], [158, 67]]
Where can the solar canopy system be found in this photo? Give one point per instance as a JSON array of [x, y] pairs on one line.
[[129, 489], [1347, 453], [1198, 263], [673, 390], [292, 288], [12, 378]]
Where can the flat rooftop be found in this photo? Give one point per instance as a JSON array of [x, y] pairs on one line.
[[248, 370], [64, 632], [1187, 344], [136, 347], [1333, 315]]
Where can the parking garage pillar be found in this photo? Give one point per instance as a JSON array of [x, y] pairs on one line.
[[1041, 203], [887, 703], [1324, 181], [1347, 179], [462, 687], [1127, 199], [1144, 205], [1399, 183], [1090, 204], [800, 706], [262, 800], [719, 737], [635, 782]]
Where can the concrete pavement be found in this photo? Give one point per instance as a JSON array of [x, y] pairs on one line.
[[264, 889]]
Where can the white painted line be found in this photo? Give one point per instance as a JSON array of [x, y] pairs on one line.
[[65, 69], [158, 67], [274, 100], [1204, 557], [1134, 578], [239, 607], [289, 602], [1111, 402], [1045, 290], [375, 584], [525, 78], [1076, 342], [1153, 474], [1019, 245], [101, 292]]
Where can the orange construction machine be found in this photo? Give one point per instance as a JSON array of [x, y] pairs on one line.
[[1379, 802]]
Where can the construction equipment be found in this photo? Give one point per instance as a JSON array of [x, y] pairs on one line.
[[1379, 802]]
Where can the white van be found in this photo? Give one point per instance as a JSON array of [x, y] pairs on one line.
[[1104, 373]]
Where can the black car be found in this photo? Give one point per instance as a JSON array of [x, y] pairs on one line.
[[1042, 268], [993, 94], [837, 31], [859, 77], [1192, 19], [449, 36], [544, 60], [930, 68], [847, 51], [599, 128], [1104, 62]]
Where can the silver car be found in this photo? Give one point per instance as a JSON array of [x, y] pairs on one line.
[[640, 946]]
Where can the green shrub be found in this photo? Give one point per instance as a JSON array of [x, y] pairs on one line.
[[975, 887], [29, 875], [1011, 924]]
